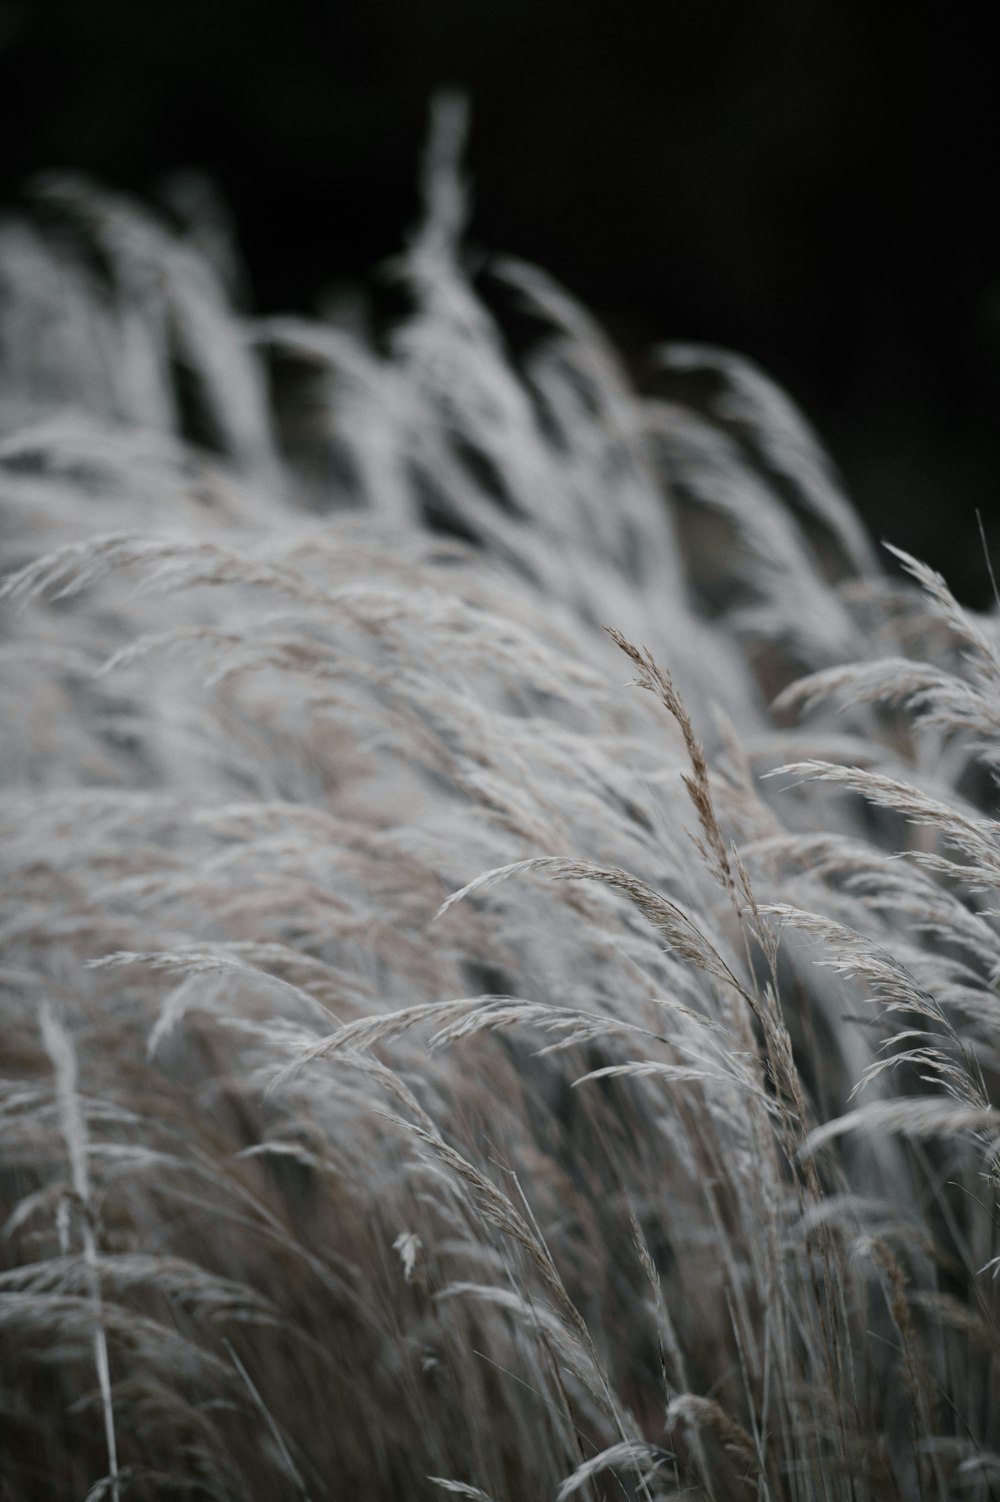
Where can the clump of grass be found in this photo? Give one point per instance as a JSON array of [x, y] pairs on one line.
[[473, 1078]]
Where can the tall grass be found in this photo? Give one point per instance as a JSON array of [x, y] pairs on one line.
[[430, 1067]]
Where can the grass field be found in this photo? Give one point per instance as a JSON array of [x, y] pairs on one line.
[[500, 944]]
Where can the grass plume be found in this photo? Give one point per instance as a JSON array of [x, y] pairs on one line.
[[430, 1069]]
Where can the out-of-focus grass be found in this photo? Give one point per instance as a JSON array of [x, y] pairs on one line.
[[428, 1064]]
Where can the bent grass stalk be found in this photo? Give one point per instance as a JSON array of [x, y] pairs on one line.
[[80, 1211]]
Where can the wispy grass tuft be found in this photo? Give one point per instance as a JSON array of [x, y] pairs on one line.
[[429, 1068]]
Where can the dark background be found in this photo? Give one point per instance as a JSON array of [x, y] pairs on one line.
[[810, 182]]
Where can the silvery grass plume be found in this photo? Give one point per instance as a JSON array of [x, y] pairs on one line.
[[429, 1067]]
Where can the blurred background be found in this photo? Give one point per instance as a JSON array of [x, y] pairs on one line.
[[806, 181]]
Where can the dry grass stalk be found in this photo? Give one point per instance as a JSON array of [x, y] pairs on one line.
[[465, 1085]]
